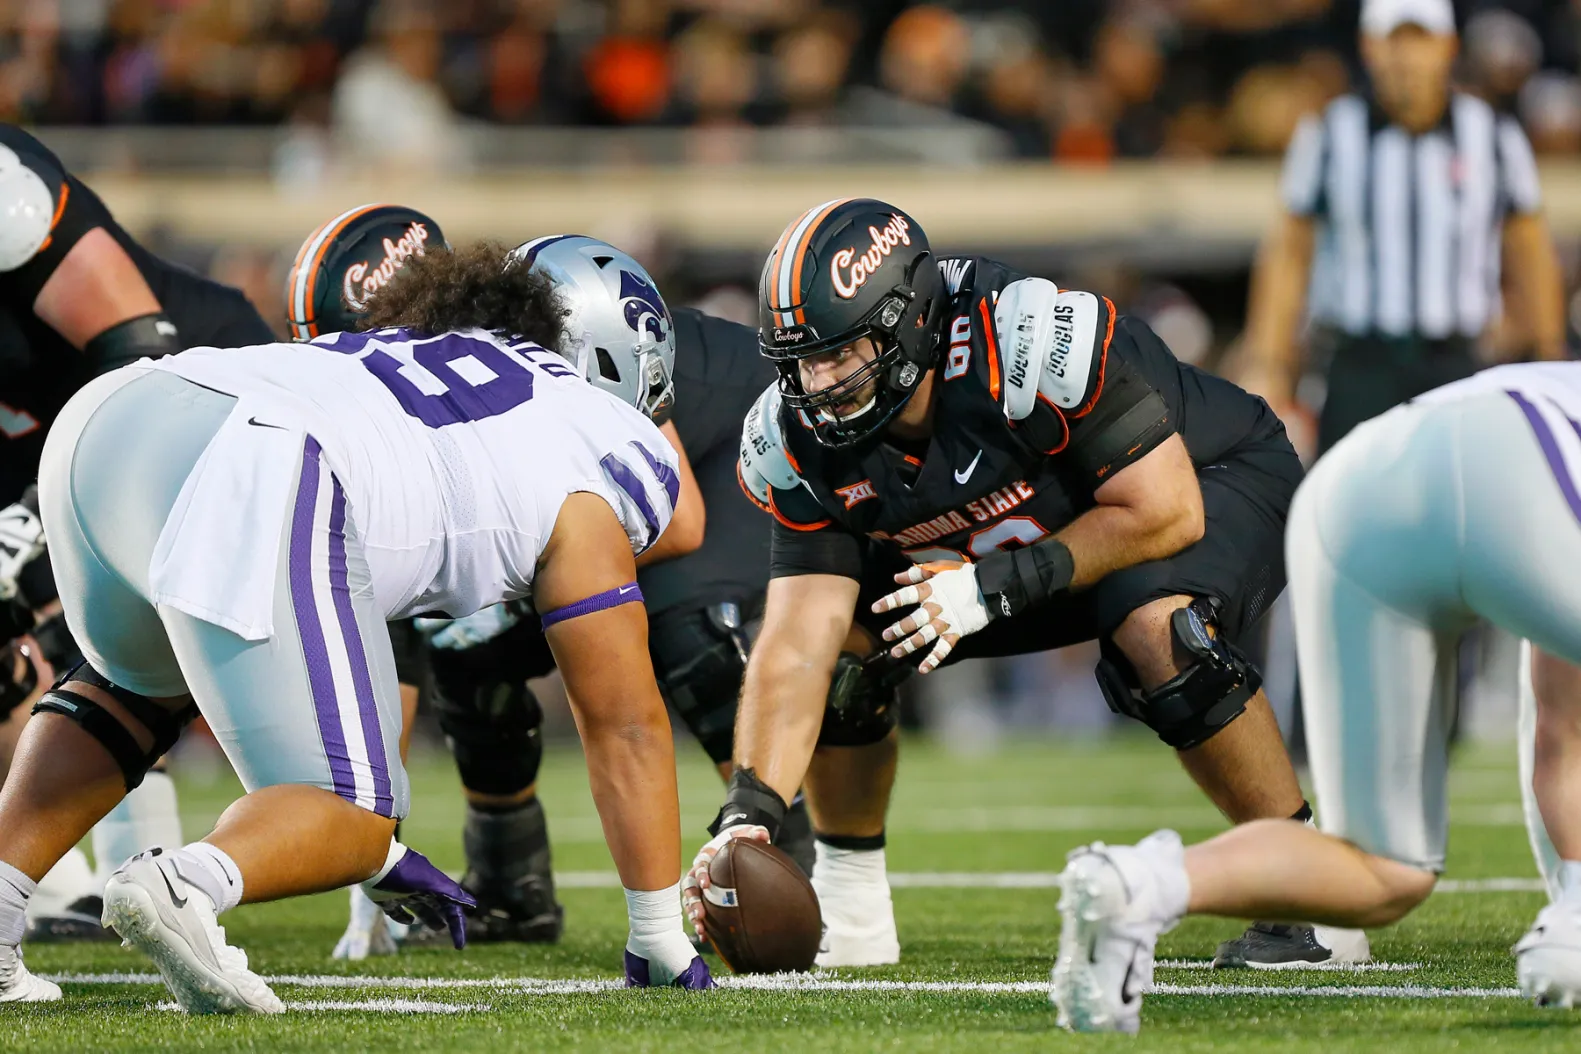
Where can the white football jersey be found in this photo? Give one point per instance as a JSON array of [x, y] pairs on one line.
[[455, 452]]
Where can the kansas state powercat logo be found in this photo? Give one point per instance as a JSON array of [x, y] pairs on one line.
[[364, 278], [644, 307], [858, 269]]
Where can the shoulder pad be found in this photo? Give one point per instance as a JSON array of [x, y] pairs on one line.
[[956, 272], [764, 462], [1051, 344], [26, 211]]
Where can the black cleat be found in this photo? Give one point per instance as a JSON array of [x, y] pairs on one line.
[[525, 914], [1272, 946], [78, 922]]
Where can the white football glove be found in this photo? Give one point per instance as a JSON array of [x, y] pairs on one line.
[[480, 627], [951, 607], [694, 884], [21, 542]]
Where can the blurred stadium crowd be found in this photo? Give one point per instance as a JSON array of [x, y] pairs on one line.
[[1070, 80]]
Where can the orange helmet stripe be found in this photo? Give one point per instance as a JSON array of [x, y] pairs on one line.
[[304, 271], [786, 259], [801, 251]]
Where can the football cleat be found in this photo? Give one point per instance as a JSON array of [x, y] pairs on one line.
[[525, 912], [1291, 946], [1548, 958], [172, 921], [78, 921], [1110, 921], [17, 985]]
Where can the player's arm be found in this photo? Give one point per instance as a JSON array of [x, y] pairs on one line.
[[1118, 437], [64, 266], [685, 532], [586, 594], [1283, 272], [1536, 279]]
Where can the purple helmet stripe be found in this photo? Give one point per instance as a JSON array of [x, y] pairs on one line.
[[315, 653], [529, 252], [356, 655]]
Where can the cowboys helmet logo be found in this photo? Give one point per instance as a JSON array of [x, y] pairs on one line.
[[645, 310]]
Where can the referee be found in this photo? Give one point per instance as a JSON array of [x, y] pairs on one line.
[[1402, 203]]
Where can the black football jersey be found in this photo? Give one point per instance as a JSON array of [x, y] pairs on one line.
[[39, 369], [982, 482], [718, 375]]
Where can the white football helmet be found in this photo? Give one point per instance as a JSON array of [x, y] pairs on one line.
[[26, 211], [619, 332]]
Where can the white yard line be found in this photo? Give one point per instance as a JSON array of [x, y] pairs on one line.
[[773, 983], [1036, 880], [1371, 967], [380, 1006]]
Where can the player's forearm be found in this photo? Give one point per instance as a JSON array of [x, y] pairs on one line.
[[1108, 538], [1275, 309], [781, 713], [631, 767], [1539, 285]]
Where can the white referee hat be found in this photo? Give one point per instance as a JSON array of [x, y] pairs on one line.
[[1379, 18]]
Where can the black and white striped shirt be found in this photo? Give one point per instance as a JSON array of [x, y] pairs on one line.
[[1409, 225]]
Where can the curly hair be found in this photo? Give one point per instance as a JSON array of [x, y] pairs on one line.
[[469, 287]]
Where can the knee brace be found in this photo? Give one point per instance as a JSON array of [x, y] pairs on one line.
[[864, 700], [102, 725], [699, 659], [1212, 689], [492, 728]]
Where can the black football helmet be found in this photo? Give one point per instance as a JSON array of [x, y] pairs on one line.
[[846, 269], [347, 259]]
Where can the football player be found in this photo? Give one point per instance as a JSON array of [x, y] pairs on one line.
[[702, 582], [1462, 505], [78, 297], [241, 561], [962, 461]]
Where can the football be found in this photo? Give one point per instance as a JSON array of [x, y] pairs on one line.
[[760, 911]]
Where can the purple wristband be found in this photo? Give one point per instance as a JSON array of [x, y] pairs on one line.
[[609, 598]]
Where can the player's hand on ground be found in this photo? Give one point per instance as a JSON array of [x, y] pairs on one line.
[[695, 881], [949, 606]]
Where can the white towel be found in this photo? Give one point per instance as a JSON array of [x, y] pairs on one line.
[[218, 556]]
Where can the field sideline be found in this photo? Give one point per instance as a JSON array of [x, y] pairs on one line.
[[975, 953]]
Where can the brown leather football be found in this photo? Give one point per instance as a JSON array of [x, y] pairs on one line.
[[760, 911]]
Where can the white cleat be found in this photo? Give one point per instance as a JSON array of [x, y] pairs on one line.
[[1110, 925], [172, 921], [1548, 958], [858, 927], [17, 985], [368, 932]]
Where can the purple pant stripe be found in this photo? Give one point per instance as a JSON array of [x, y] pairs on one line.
[[1556, 458], [357, 657], [320, 679]]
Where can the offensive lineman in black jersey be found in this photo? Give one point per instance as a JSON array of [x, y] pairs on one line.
[[78, 297], [1032, 468], [702, 583]]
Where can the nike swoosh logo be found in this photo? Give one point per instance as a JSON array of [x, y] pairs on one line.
[[962, 477], [179, 902], [261, 424], [627, 589]]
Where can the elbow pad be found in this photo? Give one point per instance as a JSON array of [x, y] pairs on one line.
[[144, 337]]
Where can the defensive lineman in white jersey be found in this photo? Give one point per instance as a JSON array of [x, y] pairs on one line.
[[1465, 503], [240, 560]]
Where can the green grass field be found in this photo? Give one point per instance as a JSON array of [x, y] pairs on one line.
[[987, 951]]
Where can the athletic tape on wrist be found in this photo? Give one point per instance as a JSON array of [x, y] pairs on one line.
[[609, 598]]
